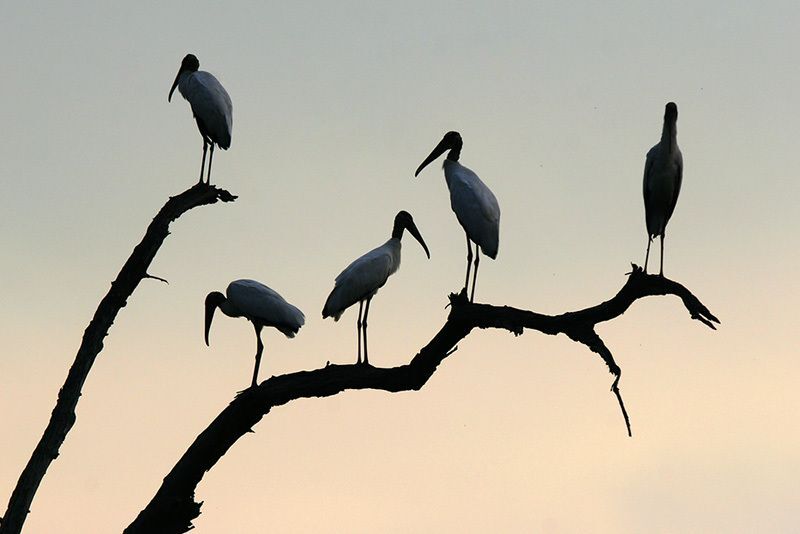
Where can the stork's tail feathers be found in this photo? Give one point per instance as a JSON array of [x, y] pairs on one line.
[[289, 332], [294, 321], [489, 248], [330, 308], [225, 142], [327, 313]]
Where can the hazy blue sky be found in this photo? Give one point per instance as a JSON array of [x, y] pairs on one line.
[[335, 105]]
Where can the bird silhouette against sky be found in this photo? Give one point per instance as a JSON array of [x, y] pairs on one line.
[[663, 173], [361, 279], [258, 304], [474, 204], [211, 107]]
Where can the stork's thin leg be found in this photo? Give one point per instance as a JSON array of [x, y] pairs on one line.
[[203, 164], [366, 312], [661, 270], [469, 264], [647, 255], [210, 157], [475, 274], [259, 350], [358, 329]]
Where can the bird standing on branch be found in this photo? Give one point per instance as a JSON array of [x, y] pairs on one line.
[[663, 172], [474, 204], [361, 279], [211, 106], [258, 304]]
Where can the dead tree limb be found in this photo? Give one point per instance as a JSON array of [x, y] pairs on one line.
[[63, 415], [173, 507]]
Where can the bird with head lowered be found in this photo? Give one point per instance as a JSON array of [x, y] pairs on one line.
[[258, 304]]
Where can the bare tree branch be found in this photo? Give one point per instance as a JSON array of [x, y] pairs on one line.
[[173, 508], [63, 415]]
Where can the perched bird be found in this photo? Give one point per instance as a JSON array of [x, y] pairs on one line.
[[663, 172], [258, 304], [361, 279], [211, 106], [474, 204]]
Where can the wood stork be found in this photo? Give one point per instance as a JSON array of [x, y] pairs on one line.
[[211, 106], [474, 204], [361, 279], [260, 305], [663, 173]]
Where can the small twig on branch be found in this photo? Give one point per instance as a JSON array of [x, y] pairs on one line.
[[615, 389], [147, 275], [63, 415], [595, 343], [173, 507]]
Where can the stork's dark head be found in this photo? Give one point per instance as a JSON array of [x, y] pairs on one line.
[[190, 63], [213, 301], [401, 221], [671, 112], [451, 141], [404, 221]]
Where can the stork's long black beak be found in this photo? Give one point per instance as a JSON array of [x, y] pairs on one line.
[[211, 307], [440, 149], [174, 84], [413, 230]]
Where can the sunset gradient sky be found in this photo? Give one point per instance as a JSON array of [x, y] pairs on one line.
[[335, 105]]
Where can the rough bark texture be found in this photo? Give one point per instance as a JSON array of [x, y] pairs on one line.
[[173, 507], [63, 415]]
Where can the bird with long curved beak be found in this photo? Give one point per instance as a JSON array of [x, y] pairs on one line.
[[211, 107], [474, 204], [258, 304], [360, 281]]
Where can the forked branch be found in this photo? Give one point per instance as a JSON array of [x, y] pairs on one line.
[[173, 507], [63, 415]]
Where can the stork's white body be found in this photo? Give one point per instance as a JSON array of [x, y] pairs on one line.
[[362, 278], [211, 106], [663, 173], [262, 306], [258, 304], [475, 206]]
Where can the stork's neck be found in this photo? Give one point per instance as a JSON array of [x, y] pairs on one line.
[[397, 231], [454, 153], [393, 247], [455, 149], [183, 77], [669, 135], [229, 309]]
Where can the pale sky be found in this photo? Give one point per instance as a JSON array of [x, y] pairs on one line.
[[335, 105]]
